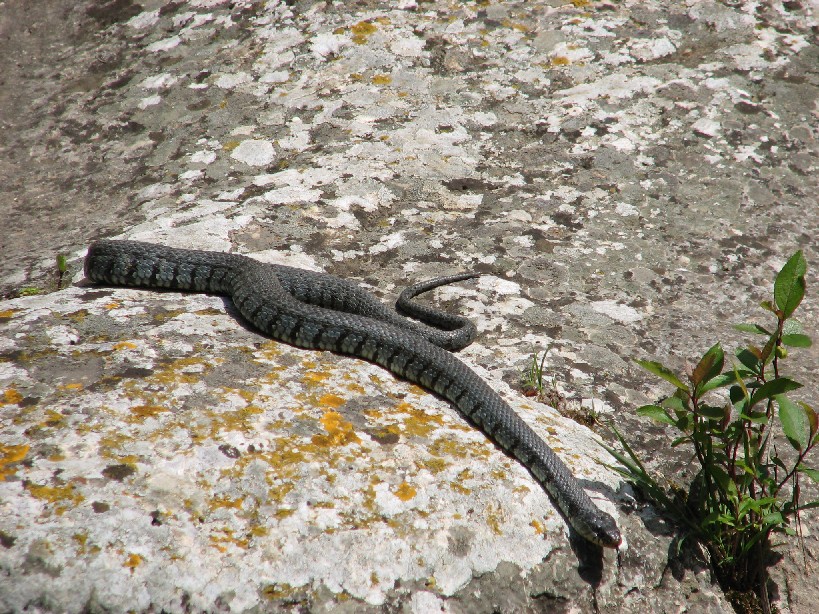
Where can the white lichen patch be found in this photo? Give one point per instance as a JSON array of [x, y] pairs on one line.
[[254, 152], [617, 311]]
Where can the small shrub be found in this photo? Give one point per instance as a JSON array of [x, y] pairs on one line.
[[745, 490]]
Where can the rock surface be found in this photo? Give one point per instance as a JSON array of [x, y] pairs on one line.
[[627, 176]]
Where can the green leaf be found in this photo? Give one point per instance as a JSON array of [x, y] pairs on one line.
[[61, 264], [747, 327], [718, 382], [773, 518], [813, 474], [657, 413], [797, 341], [813, 418], [710, 365], [768, 305], [757, 417], [680, 440], [724, 481], [749, 359], [795, 422], [746, 506], [767, 351], [664, 372], [770, 389], [674, 403], [789, 287], [711, 412], [738, 394]]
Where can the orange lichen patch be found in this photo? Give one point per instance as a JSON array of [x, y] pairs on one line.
[[494, 518], [448, 447], [11, 397], [73, 386], [538, 527], [278, 493], [362, 31], [208, 311], [228, 538], [460, 488], [132, 562], [405, 492], [278, 592], [560, 60], [53, 418], [125, 345], [82, 540], [61, 496], [273, 347], [169, 314], [226, 502], [259, 531], [434, 465], [381, 80], [331, 400], [247, 395], [231, 145], [387, 434], [77, 316], [113, 305], [7, 314], [185, 370], [465, 474], [314, 377], [110, 443], [237, 420], [357, 388], [515, 26], [9, 455], [419, 423], [339, 432], [283, 512], [141, 412]]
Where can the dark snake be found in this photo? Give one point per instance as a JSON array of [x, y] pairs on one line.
[[323, 312]]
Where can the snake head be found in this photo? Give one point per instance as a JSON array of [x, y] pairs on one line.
[[603, 531]]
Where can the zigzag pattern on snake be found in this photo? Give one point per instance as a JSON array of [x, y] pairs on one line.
[[321, 311]]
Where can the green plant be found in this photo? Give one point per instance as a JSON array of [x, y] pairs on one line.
[[745, 490], [533, 385], [30, 291], [533, 377], [61, 269]]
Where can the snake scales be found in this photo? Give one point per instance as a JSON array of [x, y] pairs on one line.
[[320, 311]]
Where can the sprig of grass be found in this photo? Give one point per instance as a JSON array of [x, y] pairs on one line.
[[534, 385], [61, 269], [533, 377]]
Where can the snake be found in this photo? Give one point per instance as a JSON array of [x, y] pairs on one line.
[[320, 311]]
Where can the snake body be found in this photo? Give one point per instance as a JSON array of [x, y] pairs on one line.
[[320, 311]]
